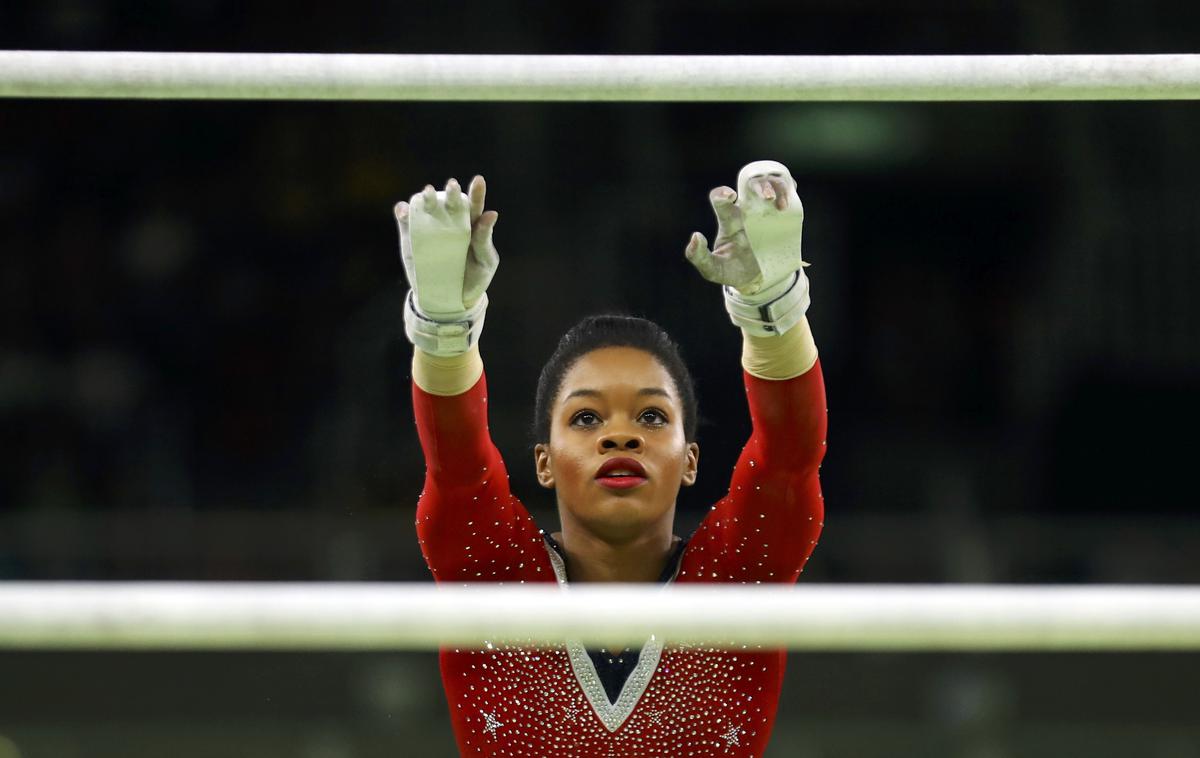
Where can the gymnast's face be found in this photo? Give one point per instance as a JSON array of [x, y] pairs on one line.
[[617, 453]]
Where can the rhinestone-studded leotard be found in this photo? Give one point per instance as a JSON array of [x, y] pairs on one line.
[[678, 700]]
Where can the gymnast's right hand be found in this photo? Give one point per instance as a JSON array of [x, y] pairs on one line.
[[448, 255]]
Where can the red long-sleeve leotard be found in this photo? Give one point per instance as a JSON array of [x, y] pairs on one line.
[[679, 701]]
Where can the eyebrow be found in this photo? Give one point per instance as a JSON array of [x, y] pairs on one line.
[[596, 393]]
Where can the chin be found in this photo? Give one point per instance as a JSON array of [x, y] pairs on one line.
[[619, 520]]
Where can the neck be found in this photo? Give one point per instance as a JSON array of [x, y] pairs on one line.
[[593, 559]]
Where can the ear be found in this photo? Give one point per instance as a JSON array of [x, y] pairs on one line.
[[691, 469], [541, 464]]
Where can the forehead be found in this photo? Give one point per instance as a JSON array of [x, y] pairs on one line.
[[616, 369]]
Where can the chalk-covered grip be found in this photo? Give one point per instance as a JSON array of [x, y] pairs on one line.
[[772, 216], [774, 225], [440, 235], [774, 311], [442, 315], [443, 337]]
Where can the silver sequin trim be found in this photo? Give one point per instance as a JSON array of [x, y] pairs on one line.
[[612, 715]]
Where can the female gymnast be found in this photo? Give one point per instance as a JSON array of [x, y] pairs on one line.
[[616, 429]]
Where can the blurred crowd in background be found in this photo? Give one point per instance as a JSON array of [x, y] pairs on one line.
[[203, 373]]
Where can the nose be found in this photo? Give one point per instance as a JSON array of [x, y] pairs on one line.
[[618, 440]]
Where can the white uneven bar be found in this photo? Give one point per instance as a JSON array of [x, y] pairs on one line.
[[628, 78], [49, 615]]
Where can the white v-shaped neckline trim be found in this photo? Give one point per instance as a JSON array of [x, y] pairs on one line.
[[612, 715]]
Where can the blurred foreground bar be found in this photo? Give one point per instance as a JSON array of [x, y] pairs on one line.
[[322, 616]]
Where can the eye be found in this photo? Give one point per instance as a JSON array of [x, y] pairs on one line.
[[585, 419], [653, 417]]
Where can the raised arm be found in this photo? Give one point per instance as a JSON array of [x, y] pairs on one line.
[[765, 528], [469, 525]]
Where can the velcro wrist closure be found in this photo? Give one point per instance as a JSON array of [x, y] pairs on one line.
[[773, 310], [449, 333]]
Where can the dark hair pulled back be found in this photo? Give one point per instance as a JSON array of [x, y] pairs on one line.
[[609, 330]]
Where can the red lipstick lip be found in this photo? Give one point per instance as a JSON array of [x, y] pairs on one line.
[[627, 464]]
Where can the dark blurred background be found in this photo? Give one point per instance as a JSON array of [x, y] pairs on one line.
[[203, 373]]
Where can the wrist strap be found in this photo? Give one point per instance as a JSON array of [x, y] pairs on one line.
[[771, 312], [452, 334]]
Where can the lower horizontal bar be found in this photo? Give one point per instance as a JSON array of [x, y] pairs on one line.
[[102, 616]]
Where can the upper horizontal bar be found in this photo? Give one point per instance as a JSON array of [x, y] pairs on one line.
[[421, 616], [598, 78]]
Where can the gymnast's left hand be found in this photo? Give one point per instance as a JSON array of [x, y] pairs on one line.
[[758, 231]]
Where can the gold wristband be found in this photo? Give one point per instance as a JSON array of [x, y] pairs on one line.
[[447, 375], [782, 357]]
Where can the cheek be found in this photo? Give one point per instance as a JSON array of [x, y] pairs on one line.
[[568, 466], [676, 451], [678, 466]]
